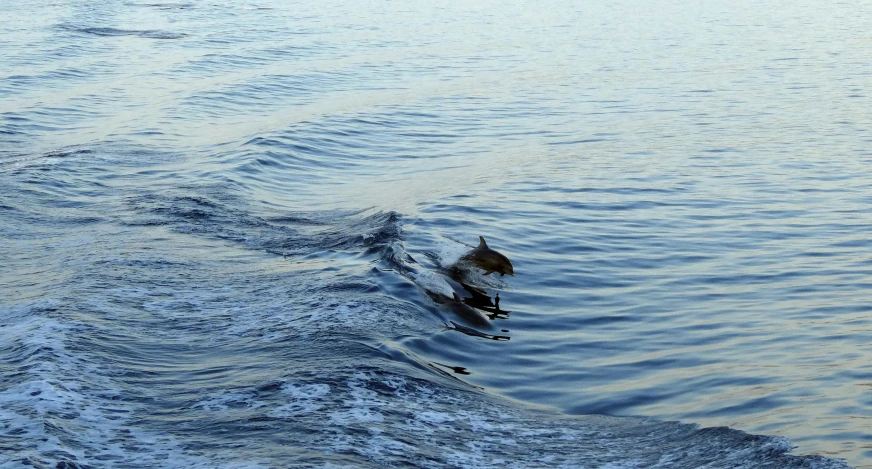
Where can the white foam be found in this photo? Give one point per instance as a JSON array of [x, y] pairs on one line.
[[225, 401], [449, 252], [435, 418], [330, 314], [362, 407], [304, 399], [306, 391], [380, 444], [74, 392], [356, 415], [277, 318], [631, 464], [24, 409]]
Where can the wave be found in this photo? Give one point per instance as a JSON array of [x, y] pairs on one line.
[[363, 413], [186, 327]]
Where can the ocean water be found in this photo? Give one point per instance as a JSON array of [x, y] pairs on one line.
[[227, 232]]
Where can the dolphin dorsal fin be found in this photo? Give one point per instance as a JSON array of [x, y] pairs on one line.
[[456, 298], [481, 243]]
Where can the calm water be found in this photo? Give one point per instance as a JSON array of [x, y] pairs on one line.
[[225, 226]]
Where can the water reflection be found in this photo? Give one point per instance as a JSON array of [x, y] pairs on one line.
[[479, 299]]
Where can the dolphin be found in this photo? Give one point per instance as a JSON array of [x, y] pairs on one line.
[[488, 259], [468, 313]]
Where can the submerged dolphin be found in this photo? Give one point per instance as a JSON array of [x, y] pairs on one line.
[[468, 313], [488, 259]]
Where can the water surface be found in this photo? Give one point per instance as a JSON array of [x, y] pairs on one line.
[[221, 221]]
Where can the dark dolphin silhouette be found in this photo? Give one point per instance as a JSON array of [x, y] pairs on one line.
[[488, 260], [468, 313]]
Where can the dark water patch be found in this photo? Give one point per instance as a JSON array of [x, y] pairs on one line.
[[8, 131], [20, 84], [68, 153], [214, 64], [611, 207], [603, 320], [165, 6], [748, 406], [14, 117], [16, 123], [623, 403], [575, 142], [722, 150], [621, 190], [115, 32], [162, 35], [297, 220]]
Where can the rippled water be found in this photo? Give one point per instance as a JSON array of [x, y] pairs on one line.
[[228, 230]]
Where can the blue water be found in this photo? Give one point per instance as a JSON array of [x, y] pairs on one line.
[[227, 232]]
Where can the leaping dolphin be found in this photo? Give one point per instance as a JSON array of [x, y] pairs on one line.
[[488, 259]]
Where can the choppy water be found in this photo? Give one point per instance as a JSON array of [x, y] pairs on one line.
[[220, 222]]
